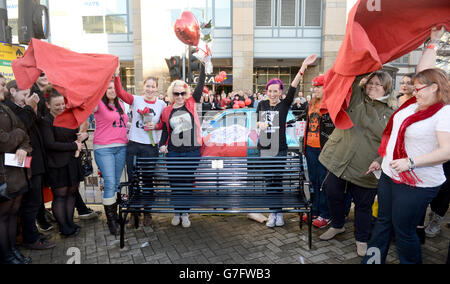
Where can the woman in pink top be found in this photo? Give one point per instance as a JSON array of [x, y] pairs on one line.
[[110, 148]]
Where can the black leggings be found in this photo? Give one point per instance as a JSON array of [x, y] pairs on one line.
[[63, 206], [9, 211]]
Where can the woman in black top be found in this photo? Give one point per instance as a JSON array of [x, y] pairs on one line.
[[26, 107], [64, 169], [272, 114], [181, 135]]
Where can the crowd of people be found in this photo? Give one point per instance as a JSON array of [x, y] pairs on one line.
[[395, 152]]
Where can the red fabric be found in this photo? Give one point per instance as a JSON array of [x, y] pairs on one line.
[[47, 194], [374, 38], [408, 177], [222, 150], [81, 78]]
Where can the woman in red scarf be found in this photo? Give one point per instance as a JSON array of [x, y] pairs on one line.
[[415, 144]]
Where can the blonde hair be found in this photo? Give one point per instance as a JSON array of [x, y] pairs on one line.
[[178, 83]]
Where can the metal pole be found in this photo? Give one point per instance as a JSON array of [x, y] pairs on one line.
[[4, 37], [184, 65]]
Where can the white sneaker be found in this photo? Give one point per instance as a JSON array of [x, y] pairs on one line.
[[185, 220], [272, 219], [361, 248], [434, 227], [176, 220], [279, 220], [430, 218]]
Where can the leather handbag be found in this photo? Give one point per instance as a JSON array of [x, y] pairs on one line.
[[86, 161]]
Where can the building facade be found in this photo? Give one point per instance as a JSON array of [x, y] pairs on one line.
[[253, 40]]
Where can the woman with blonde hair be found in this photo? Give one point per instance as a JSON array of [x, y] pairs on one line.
[[415, 144], [181, 135]]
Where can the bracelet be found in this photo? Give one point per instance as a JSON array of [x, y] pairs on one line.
[[412, 166]]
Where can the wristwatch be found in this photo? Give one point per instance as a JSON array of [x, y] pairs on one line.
[[412, 165]]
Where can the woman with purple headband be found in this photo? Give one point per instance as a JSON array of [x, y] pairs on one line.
[[272, 114]]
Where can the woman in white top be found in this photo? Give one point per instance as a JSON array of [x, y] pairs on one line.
[[143, 138], [415, 144]]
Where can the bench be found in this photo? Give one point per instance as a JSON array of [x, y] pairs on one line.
[[209, 185]]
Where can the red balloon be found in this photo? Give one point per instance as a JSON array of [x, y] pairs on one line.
[[187, 29], [236, 106], [223, 74], [228, 101], [206, 90], [248, 102], [241, 104], [218, 79]]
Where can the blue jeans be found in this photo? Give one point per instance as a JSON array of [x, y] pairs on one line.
[[111, 162], [400, 208], [317, 173]]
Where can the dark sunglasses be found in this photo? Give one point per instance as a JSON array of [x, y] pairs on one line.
[[42, 75], [179, 94]]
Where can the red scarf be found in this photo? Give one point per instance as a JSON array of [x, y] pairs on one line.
[[407, 177]]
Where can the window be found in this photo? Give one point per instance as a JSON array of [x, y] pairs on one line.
[[264, 74], [116, 24], [263, 13], [223, 13], [202, 9], [300, 12], [93, 24], [116, 7], [287, 13], [403, 60], [313, 12]]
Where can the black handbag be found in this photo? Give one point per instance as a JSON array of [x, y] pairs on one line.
[[86, 161]]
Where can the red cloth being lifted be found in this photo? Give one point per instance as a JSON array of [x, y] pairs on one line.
[[374, 38], [81, 78]]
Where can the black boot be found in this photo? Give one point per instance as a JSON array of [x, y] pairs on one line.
[[116, 215], [20, 257], [111, 213]]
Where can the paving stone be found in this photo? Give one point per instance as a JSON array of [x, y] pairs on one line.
[[218, 239]]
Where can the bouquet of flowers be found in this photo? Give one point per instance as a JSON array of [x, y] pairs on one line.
[[147, 117]]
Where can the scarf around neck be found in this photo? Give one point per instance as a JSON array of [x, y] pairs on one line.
[[407, 177]]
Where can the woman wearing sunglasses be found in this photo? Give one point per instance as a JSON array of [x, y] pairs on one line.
[[415, 144], [181, 135], [140, 143]]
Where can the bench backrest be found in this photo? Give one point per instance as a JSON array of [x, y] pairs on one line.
[[228, 175]]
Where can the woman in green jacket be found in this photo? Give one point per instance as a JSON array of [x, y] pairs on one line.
[[348, 153]]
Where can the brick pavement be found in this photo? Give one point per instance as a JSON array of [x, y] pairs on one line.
[[218, 239]]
